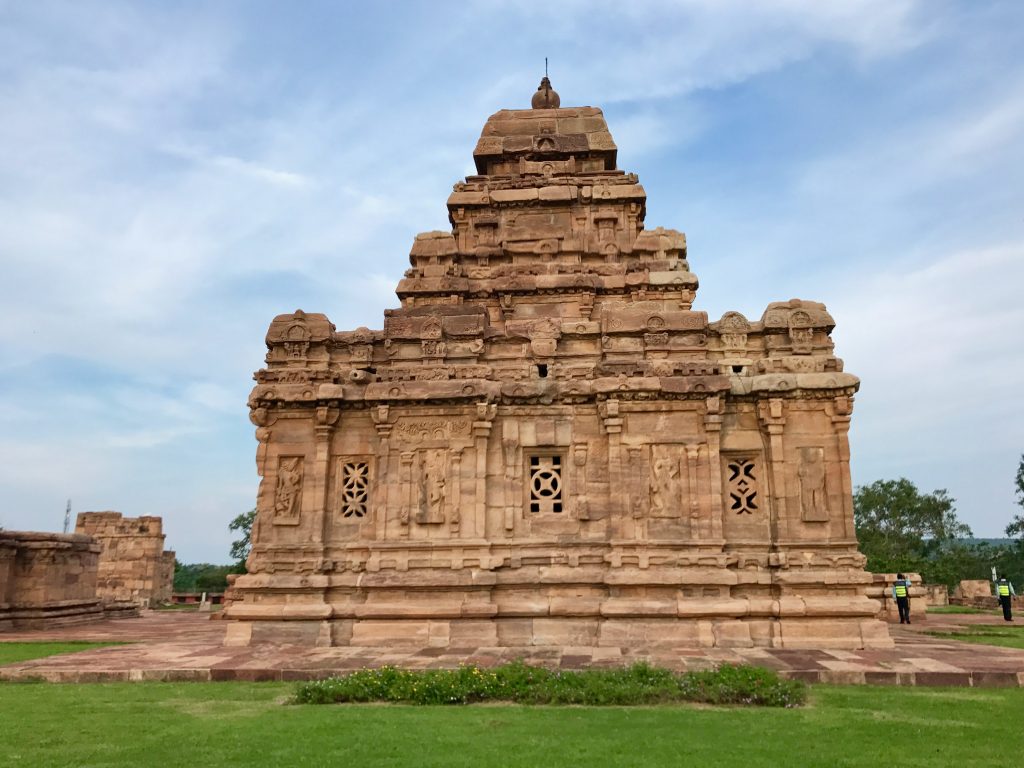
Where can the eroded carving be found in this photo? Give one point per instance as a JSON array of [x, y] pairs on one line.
[[813, 500], [433, 471], [420, 430], [665, 486], [288, 493]]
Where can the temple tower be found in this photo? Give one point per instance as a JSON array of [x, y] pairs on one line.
[[547, 445]]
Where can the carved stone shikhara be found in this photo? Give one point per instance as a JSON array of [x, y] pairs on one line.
[[547, 445]]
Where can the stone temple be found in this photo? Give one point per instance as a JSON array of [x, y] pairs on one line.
[[547, 445]]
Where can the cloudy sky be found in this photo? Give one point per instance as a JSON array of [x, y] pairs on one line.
[[172, 175]]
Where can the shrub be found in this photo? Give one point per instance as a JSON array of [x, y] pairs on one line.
[[520, 683], [741, 684]]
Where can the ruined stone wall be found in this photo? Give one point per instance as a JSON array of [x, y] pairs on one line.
[[133, 565], [47, 579]]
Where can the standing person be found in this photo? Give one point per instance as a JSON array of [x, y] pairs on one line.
[[901, 594], [1003, 591]]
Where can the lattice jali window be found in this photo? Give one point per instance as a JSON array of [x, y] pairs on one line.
[[355, 488], [741, 478], [546, 484]]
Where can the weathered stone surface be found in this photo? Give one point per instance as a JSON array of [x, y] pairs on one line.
[[973, 588], [133, 566], [547, 444], [47, 580]]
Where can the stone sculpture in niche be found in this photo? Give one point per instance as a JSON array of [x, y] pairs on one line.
[[734, 328], [812, 484], [432, 488], [801, 332], [664, 484], [288, 498]]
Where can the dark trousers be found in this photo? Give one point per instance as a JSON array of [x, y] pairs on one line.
[[903, 603], [1005, 603]]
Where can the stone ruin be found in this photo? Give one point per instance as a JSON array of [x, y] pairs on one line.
[[47, 579], [133, 565], [547, 445]]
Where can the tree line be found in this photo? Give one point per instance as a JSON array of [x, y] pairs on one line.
[[902, 529]]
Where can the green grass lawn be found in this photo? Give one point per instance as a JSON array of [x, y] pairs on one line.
[[15, 652], [958, 609], [1006, 634], [248, 724]]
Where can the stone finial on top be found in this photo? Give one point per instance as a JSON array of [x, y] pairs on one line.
[[546, 97]]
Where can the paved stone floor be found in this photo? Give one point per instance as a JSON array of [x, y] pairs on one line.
[[173, 645]]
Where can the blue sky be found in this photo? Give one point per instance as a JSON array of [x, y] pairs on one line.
[[172, 175]]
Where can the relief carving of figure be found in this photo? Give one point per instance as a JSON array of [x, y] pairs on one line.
[[432, 489], [664, 484], [289, 487], [812, 484]]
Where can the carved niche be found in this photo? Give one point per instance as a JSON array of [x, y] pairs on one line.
[[288, 491], [801, 333], [297, 338], [813, 500], [665, 484], [733, 329], [432, 486]]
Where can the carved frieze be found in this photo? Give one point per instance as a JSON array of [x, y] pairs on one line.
[[412, 430]]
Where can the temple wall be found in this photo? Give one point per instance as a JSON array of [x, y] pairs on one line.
[[47, 579], [133, 566]]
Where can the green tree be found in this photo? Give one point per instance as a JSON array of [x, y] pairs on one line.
[[1015, 529], [201, 577], [902, 529], [243, 524]]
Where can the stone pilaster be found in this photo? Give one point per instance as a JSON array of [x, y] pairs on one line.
[[383, 424], [485, 413], [611, 422], [772, 414], [713, 429], [842, 409], [323, 428]]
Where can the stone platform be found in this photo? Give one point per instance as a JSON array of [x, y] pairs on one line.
[[174, 646]]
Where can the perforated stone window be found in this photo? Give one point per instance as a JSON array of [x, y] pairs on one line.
[[546, 484], [355, 488], [742, 482]]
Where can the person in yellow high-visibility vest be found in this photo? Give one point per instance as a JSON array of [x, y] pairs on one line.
[[901, 594], [1004, 589]]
